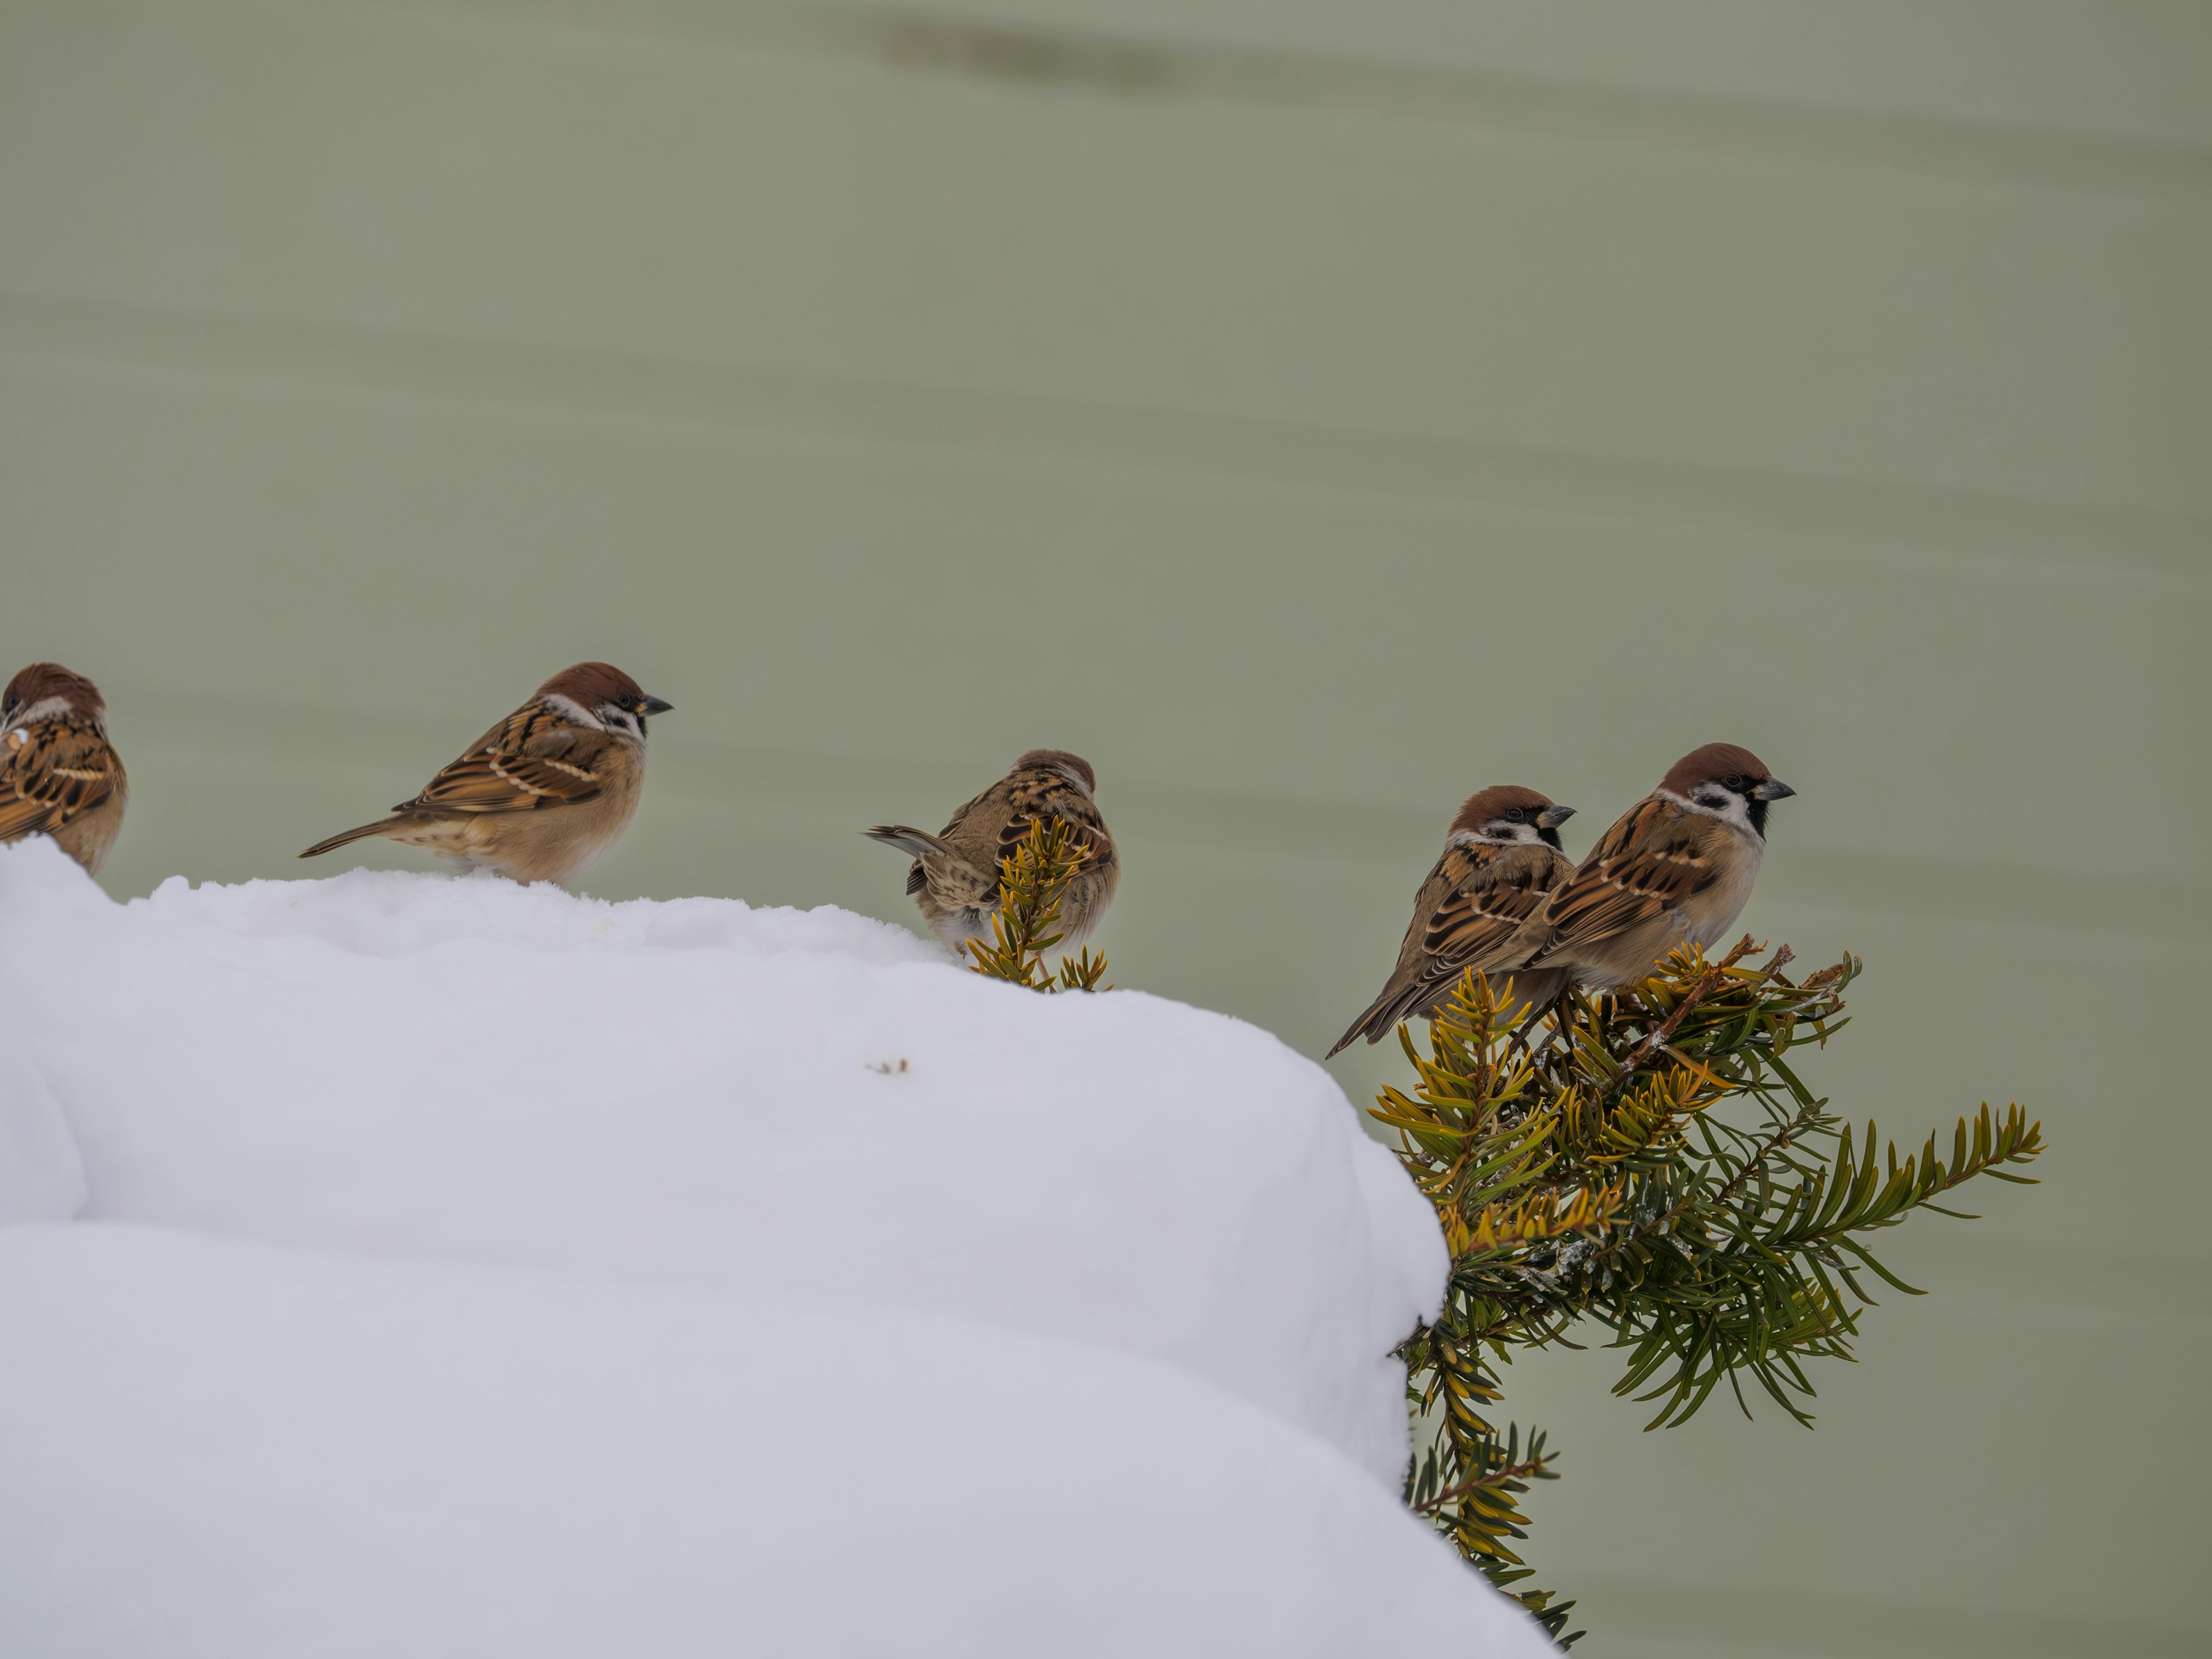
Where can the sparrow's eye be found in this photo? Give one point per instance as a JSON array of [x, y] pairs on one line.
[[1513, 816], [1732, 780]]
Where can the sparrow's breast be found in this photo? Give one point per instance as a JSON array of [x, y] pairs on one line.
[[1707, 915]]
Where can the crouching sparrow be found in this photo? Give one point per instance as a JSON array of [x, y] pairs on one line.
[[1676, 870], [59, 775], [541, 795], [954, 879], [1481, 907]]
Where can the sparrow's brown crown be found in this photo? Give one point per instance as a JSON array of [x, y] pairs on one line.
[[42, 680], [591, 683], [1713, 762], [1488, 806], [1060, 759]]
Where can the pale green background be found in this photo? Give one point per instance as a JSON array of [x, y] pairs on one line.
[[1309, 412]]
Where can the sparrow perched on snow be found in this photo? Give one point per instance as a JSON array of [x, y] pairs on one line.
[[541, 795], [1481, 907], [955, 878], [1676, 869], [59, 775]]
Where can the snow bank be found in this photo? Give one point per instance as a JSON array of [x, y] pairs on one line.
[[676, 1276], [41, 1177], [645, 1469]]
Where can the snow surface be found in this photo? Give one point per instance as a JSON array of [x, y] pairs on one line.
[[494, 1271]]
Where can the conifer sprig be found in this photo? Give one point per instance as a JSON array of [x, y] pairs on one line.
[[1653, 1162], [1033, 880]]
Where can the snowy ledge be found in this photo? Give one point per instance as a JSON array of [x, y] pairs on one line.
[[507, 1272]]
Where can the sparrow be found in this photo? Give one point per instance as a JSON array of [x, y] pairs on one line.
[[955, 876], [1480, 907], [1676, 870], [541, 795], [59, 775]]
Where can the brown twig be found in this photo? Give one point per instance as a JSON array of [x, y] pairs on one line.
[[1781, 1140], [1705, 985], [1489, 1482]]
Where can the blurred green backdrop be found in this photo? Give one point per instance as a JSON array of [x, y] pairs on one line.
[[1309, 412]]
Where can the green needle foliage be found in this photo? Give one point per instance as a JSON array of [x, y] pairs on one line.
[[1650, 1161], [1033, 879]]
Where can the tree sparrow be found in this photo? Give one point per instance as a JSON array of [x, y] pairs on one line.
[[1676, 870], [955, 878], [1481, 908], [59, 775], [541, 795]]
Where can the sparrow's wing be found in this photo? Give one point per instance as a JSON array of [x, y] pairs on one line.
[[49, 773], [1654, 858], [1031, 801], [1471, 913], [1079, 810], [972, 833], [1487, 903], [983, 834], [534, 757]]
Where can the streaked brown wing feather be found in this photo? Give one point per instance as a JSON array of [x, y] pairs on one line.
[[532, 758], [1030, 800], [61, 769], [1469, 913], [1649, 862], [966, 837], [1490, 892], [1012, 832], [960, 813], [985, 831]]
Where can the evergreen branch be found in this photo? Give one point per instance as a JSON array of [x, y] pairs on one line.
[[1509, 1477], [1033, 881], [1603, 1175], [1706, 984]]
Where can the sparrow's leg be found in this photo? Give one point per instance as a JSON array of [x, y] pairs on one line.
[[1560, 1010]]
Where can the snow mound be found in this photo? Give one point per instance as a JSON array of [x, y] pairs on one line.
[[676, 1276], [266, 1423]]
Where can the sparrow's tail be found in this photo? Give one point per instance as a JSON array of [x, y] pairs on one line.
[[1381, 1016], [1525, 991], [915, 843], [351, 836]]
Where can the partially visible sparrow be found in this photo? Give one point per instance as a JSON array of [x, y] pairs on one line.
[[955, 876], [59, 775], [1676, 869], [1481, 908], [541, 795]]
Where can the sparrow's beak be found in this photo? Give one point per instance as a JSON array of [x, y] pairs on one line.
[[1773, 789], [1553, 817], [655, 706]]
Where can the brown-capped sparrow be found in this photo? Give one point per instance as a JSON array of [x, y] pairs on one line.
[[955, 876], [1480, 907], [541, 795], [1676, 869], [59, 775]]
